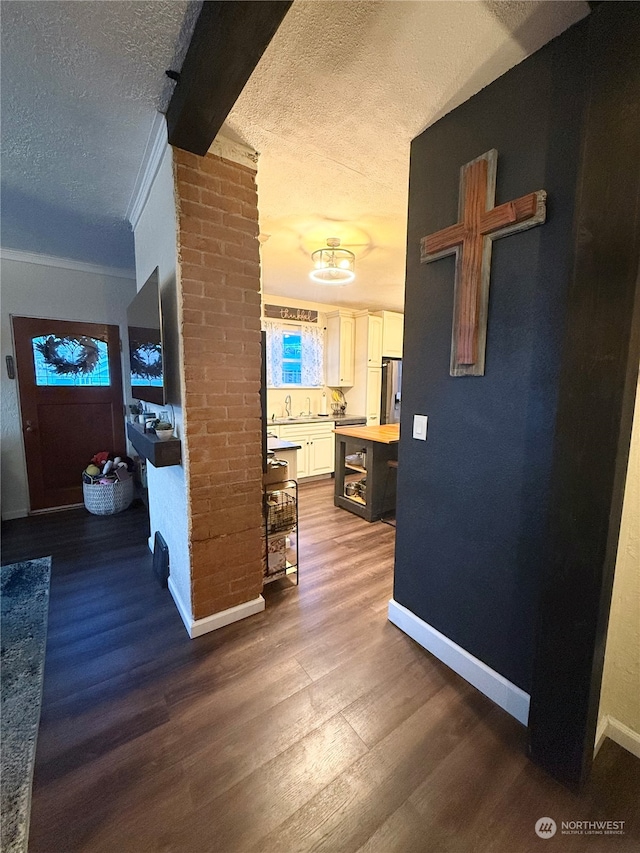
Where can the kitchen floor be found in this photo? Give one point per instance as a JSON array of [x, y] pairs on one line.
[[315, 725]]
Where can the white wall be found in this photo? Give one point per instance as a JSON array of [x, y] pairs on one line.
[[619, 714], [276, 396], [64, 291], [155, 235]]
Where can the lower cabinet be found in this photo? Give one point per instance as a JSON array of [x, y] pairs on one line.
[[321, 453], [316, 454]]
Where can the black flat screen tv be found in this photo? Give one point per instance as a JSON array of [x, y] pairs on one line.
[[144, 322]]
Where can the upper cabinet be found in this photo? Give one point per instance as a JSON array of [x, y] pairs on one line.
[[340, 359], [364, 397], [374, 341], [392, 332], [368, 340]]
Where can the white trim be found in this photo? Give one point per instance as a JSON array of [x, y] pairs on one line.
[[226, 617], [151, 160], [64, 263], [505, 694], [15, 513], [183, 610], [624, 736], [601, 733], [620, 734], [217, 620], [237, 152]]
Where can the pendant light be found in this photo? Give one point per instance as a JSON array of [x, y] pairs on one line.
[[333, 265]]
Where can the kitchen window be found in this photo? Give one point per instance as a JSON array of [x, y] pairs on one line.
[[295, 355], [291, 358]]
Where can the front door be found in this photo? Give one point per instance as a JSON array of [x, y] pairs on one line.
[[70, 382]]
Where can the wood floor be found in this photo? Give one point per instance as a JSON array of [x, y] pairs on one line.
[[316, 725]]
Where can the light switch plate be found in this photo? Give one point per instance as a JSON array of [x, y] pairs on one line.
[[420, 427]]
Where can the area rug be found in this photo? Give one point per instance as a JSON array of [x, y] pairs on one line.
[[24, 606]]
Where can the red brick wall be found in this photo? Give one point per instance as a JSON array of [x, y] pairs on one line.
[[219, 272]]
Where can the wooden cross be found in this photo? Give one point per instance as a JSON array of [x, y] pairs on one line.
[[470, 239]]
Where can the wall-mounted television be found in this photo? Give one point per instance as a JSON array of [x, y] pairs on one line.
[[146, 354]]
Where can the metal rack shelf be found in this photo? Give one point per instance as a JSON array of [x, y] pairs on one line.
[[280, 510]]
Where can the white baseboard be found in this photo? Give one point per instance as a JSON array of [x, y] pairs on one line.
[[198, 627], [226, 617], [601, 733], [15, 513], [619, 733], [505, 694], [183, 610]]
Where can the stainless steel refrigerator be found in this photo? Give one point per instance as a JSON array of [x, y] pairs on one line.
[[391, 391]]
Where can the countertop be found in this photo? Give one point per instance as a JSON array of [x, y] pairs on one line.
[[385, 434], [280, 444], [344, 420]]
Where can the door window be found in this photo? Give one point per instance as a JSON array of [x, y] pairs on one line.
[[70, 360]]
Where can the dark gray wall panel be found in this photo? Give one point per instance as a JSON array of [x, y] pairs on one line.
[[473, 499]]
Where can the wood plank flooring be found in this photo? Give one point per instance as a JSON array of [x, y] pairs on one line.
[[316, 725]]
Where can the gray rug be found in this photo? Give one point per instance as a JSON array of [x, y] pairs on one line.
[[24, 600]]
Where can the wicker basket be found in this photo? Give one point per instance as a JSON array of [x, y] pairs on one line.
[[108, 498]]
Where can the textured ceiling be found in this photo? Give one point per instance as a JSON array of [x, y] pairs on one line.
[[81, 83], [332, 108]]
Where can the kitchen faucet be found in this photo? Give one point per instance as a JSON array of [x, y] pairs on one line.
[[308, 412], [287, 405]]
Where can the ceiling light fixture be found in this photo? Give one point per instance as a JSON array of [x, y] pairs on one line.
[[333, 265]]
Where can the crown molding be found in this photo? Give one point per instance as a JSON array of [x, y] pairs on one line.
[[151, 159], [64, 263]]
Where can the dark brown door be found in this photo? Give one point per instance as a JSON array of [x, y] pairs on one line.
[[70, 382]]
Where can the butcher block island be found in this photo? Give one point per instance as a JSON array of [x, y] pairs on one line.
[[366, 463]]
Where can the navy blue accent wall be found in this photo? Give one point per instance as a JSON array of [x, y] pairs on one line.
[[473, 500]]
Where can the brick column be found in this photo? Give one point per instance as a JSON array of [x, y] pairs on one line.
[[219, 272]]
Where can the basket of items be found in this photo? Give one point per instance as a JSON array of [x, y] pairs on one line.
[[281, 512], [107, 484]]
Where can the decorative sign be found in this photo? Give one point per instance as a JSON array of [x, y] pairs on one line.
[[470, 240], [281, 312]]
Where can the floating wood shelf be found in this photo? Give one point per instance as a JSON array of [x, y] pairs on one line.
[[159, 453]]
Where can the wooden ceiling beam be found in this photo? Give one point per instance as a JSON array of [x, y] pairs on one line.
[[226, 45]]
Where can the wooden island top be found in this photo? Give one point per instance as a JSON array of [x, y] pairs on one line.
[[385, 434]]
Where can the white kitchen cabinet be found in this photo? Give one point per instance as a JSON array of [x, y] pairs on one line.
[[374, 391], [364, 397], [392, 333], [341, 327], [321, 454], [315, 456], [374, 341], [302, 466]]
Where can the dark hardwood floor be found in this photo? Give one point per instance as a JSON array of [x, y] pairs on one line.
[[316, 725]]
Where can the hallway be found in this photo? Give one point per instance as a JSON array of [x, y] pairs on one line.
[[316, 725]]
